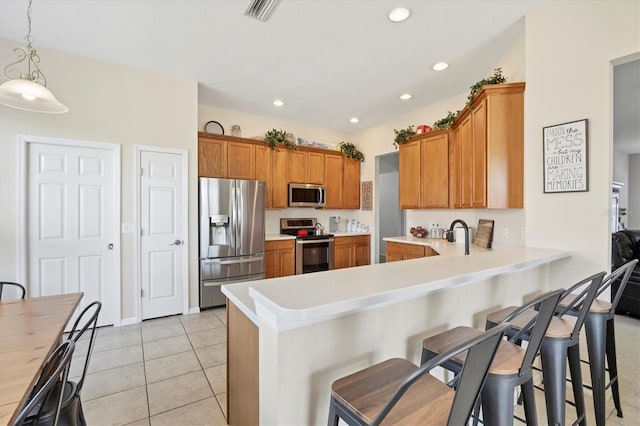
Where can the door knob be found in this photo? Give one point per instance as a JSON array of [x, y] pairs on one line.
[[176, 243], [110, 246]]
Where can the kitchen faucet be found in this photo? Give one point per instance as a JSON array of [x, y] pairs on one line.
[[466, 234]]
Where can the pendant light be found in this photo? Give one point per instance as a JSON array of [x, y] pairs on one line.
[[27, 90]]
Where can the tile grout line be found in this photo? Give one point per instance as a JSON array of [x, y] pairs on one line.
[[144, 371]]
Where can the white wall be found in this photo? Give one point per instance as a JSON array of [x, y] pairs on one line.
[[621, 174], [633, 210], [108, 103], [569, 49]]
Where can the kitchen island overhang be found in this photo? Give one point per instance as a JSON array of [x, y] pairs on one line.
[[315, 328]]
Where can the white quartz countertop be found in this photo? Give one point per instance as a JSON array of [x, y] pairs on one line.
[[443, 247], [349, 234], [278, 237], [298, 300]]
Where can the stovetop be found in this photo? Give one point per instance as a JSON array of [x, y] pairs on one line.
[[292, 226]]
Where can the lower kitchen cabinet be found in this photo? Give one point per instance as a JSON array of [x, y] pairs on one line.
[[401, 251], [279, 258], [351, 251]]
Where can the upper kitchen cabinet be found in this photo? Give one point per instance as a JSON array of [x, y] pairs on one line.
[[333, 167], [491, 142], [212, 157], [264, 171], [241, 160], [280, 184], [306, 167], [424, 171], [351, 184]]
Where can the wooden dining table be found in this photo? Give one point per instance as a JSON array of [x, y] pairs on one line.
[[30, 329]]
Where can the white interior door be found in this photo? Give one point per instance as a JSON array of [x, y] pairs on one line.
[[71, 227], [162, 238]]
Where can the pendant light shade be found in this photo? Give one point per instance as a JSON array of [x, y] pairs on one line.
[[30, 96], [26, 86]]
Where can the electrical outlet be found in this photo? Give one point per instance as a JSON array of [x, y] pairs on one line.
[[505, 232], [128, 228]]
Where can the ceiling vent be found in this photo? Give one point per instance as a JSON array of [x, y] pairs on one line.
[[261, 9]]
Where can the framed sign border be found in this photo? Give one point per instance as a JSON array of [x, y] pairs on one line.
[[586, 161]]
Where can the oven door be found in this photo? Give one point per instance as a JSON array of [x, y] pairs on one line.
[[314, 255]]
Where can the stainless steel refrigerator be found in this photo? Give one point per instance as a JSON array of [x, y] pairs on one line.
[[231, 235]]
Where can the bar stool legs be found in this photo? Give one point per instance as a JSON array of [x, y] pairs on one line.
[[497, 402], [596, 328], [613, 365]]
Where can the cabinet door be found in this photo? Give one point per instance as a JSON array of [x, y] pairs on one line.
[[279, 183], [271, 263], [434, 179], [333, 181], [343, 255], [263, 171], [393, 256], [363, 251], [351, 184], [466, 162], [454, 169], [315, 168], [287, 262], [479, 137], [212, 158], [297, 167], [409, 175], [241, 162]]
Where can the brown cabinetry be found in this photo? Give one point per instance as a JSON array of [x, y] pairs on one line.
[[401, 251], [279, 183], [241, 160], [351, 184], [279, 258], [333, 166], [306, 167], [212, 157], [424, 171], [352, 251]]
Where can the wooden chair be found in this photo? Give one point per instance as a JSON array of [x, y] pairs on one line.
[[20, 287], [397, 392], [601, 340], [512, 365], [46, 396], [560, 343]]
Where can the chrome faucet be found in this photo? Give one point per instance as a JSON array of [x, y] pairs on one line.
[[466, 234]]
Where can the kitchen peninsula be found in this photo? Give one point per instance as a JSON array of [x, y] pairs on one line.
[[291, 337]]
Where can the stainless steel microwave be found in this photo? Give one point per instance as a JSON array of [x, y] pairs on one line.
[[306, 195]]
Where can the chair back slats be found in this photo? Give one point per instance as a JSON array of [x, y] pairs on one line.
[[623, 274], [56, 367], [481, 349], [581, 303], [536, 327], [89, 320], [21, 290]]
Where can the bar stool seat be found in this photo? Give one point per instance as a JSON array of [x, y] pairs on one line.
[[558, 327]]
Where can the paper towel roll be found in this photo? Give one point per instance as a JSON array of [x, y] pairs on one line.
[[459, 234]]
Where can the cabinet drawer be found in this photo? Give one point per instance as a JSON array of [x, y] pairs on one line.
[[360, 239], [279, 245], [410, 249]]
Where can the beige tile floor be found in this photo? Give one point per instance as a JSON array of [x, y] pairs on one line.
[[172, 371]]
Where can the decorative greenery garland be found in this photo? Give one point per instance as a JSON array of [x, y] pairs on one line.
[[274, 137], [443, 123], [349, 150], [402, 136]]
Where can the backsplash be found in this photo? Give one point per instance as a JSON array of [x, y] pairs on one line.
[[273, 217]]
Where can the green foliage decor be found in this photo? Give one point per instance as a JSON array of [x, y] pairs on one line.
[[274, 137], [403, 135], [496, 78], [443, 123], [349, 150]]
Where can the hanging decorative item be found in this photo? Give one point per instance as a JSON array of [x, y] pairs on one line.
[[27, 90], [214, 128], [565, 156], [367, 195]]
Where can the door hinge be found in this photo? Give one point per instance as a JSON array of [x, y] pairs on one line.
[[141, 171], [141, 293], [141, 232]]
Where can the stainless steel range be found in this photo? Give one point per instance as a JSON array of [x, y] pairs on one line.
[[314, 248]]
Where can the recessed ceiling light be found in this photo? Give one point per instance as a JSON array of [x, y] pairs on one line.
[[440, 66], [399, 14], [278, 102], [354, 120], [406, 96]]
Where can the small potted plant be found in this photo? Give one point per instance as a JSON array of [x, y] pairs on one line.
[[274, 137], [349, 150], [403, 135], [496, 78], [448, 121]]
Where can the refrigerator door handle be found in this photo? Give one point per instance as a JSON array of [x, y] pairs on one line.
[[234, 216], [233, 261]]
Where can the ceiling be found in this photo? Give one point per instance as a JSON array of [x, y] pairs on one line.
[[328, 60]]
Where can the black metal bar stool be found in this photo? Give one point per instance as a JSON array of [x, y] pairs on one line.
[[600, 332], [397, 392], [19, 287], [511, 366], [561, 343]]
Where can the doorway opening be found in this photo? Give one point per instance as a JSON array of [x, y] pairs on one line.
[[390, 219]]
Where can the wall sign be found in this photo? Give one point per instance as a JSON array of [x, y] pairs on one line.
[[565, 157], [367, 195]]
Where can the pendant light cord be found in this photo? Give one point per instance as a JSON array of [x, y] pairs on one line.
[[28, 38]]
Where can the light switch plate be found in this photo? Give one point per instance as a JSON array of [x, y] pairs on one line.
[[128, 228]]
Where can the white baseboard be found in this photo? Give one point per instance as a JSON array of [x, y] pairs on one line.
[[194, 310], [128, 321]]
